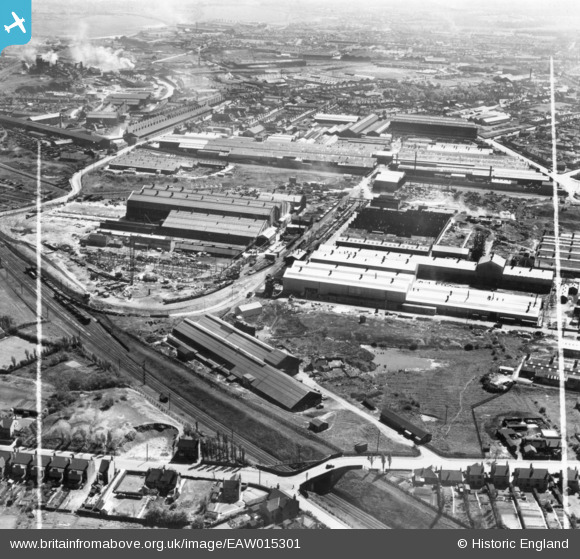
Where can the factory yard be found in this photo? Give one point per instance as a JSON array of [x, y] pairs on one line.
[[118, 186], [296, 247]]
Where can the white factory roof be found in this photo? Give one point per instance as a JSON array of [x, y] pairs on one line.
[[570, 345], [249, 307], [361, 258], [390, 176], [444, 295], [336, 118], [191, 137], [382, 243], [383, 260], [536, 273], [349, 277]]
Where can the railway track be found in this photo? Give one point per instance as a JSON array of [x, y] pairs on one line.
[[97, 340], [339, 505]]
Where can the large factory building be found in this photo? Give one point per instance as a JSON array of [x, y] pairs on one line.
[[214, 221], [153, 204], [433, 126], [421, 284], [261, 368]]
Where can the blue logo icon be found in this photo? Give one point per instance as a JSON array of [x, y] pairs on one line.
[[15, 22]]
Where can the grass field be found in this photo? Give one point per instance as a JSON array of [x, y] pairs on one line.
[[14, 389], [11, 305], [370, 492], [438, 399], [14, 348], [347, 428]]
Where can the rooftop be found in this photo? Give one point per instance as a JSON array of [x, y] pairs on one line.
[[247, 355]]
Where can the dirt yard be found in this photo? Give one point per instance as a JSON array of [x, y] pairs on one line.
[[438, 396]]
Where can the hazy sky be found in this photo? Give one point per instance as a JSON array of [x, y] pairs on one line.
[[176, 9]]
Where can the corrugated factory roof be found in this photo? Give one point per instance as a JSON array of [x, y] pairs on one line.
[[193, 205], [212, 223], [380, 281], [444, 296], [382, 244], [363, 124], [245, 354], [226, 199], [335, 118], [432, 120]]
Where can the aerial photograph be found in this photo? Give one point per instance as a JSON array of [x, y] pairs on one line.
[[293, 264]]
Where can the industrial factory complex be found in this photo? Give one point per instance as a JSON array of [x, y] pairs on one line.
[[226, 219], [295, 272], [401, 271], [257, 366]]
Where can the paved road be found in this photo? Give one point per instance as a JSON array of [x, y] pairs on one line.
[[565, 180], [291, 484], [345, 404]]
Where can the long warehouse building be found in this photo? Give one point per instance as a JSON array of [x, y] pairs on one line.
[[433, 126], [402, 291], [208, 227], [78, 137], [154, 204], [263, 369], [492, 270]]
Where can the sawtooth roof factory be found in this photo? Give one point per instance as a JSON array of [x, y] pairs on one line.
[[353, 158], [261, 368], [433, 126], [465, 165], [223, 221], [419, 281]]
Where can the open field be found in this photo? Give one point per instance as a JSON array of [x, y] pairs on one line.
[[268, 178], [438, 397], [11, 305], [389, 504], [13, 349], [345, 429], [119, 186], [14, 389]]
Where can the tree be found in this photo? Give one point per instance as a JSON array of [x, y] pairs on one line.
[[478, 249], [6, 322]]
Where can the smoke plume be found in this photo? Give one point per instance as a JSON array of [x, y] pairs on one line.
[[104, 58]]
